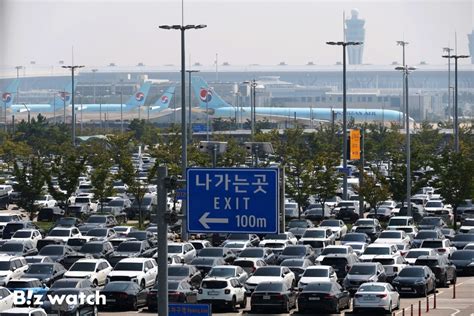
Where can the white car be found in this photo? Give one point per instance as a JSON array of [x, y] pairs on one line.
[[413, 254], [124, 230], [63, 233], [373, 250], [228, 271], [11, 267], [365, 222], [411, 231], [400, 221], [45, 201], [331, 249], [237, 246], [86, 199], [442, 246], [275, 238], [28, 234], [6, 218], [270, 273], [222, 291], [432, 206], [6, 299], [96, 270], [337, 226], [393, 237], [391, 263], [376, 295], [184, 250], [25, 311], [469, 246], [357, 247], [466, 226], [317, 274], [142, 271], [324, 235]]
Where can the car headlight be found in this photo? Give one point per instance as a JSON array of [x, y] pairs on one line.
[[134, 280]]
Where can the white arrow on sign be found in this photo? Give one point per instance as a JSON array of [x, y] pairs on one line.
[[204, 220]]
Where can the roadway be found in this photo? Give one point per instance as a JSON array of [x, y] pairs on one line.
[[462, 305]]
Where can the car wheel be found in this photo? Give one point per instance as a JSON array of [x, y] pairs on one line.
[[135, 304], [398, 303], [287, 307], [95, 283], [425, 291], [233, 304], [244, 303], [445, 281], [336, 308], [348, 306], [390, 308], [142, 284]]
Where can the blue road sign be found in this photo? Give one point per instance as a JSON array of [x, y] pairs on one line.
[[237, 200], [189, 310]]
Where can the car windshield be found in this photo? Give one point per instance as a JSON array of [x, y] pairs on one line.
[[377, 251], [371, 288], [51, 250], [20, 284], [327, 251], [244, 263], [138, 235], [40, 268], [252, 253], [221, 272], [121, 229], [316, 273], [41, 198], [214, 284], [66, 221], [426, 235], [91, 248], [294, 251], [390, 234], [172, 286], [334, 262], [354, 237], [97, 220], [60, 233], [64, 284], [364, 222], [268, 271], [417, 253], [211, 252], [355, 246], [4, 265], [117, 286], [237, 245], [83, 266], [429, 221], [178, 271], [5, 218], [467, 222], [397, 222], [82, 200], [97, 232], [203, 261], [330, 223], [362, 270], [116, 202], [175, 249], [76, 242], [295, 224], [411, 272], [16, 247], [432, 244], [463, 255], [22, 234], [129, 247], [384, 261], [238, 237], [269, 287], [314, 234], [129, 266], [426, 262], [434, 204], [318, 287], [464, 237], [292, 263]]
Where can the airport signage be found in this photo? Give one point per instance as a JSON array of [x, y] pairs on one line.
[[355, 144], [232, 200]]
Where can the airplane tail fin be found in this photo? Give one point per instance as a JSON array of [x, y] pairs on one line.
[[138, 99], [164, 101], [10, 92], [206, 95], [64, 97]]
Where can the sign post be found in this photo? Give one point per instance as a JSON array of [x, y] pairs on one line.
[[232, 200], [355, 144]]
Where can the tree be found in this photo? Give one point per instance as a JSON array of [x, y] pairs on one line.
[[454, 178], [31, 177], [374, 190], [322, 177], [101, 178]]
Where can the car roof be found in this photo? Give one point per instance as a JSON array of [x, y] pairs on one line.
[[134, 260]]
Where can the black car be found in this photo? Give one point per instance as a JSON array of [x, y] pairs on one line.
[[431, 222], [18, 248], [426, 234], [418, 280], [448, 233], [383, 214], [417, 212], [178, 292], [92, 249], [348, 215], [372, 231], [218, 252], [205, 264], [144, 235], [297, 266], [56, 252], [68, 222], [145, 207], [444, 270], [323, 297], [297, 252], [124, 295], [72, 283], [188, 273], [47, 273], [76, 243], [129, 249], [464, 261], [298, 226], [461, 240], [50, 214], [44, 242], [341, 263], [98, 221], [273, 296], [356, 237], [11, 227], [363, 272], [67, 309], [266, 254]]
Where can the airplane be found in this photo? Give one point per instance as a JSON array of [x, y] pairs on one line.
[[209, 100], [10, 92], [163, 103]]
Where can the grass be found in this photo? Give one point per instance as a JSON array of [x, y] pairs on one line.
[[46, 226]]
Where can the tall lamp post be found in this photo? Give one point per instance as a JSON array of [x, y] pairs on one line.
[[121, 106], [448, 50], [184, 159], [18, 68], [253, 85], [456, 126], [344, 112], [406, 71], [403, 44], [93, 92], [73, 121], [190, 123]]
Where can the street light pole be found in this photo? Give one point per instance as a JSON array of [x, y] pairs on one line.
[[184, 159], [121, 106], [456, 123], [190, 123], [17, 87], [403, 44], [406, 70], [73, 121], [344, 112], [449, 50]]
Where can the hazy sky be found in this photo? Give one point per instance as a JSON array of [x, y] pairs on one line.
[[242, 32]]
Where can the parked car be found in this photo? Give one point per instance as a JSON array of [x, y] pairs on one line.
[[297, 252], [376, 296], [142, 271], [123, 295], [297, 266], [273, 296], [179, 291], [317, 274], [418, 280], [341, 263], [46, 272], [464, 261], [96, 270], [444, 270], [222, 292], [363, 272], [323, 296], [188, 273], [272, 274]]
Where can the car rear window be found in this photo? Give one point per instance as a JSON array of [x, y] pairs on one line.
[[213, 284]]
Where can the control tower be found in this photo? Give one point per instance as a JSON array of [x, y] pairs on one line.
[[470, 38], [355, 32]]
